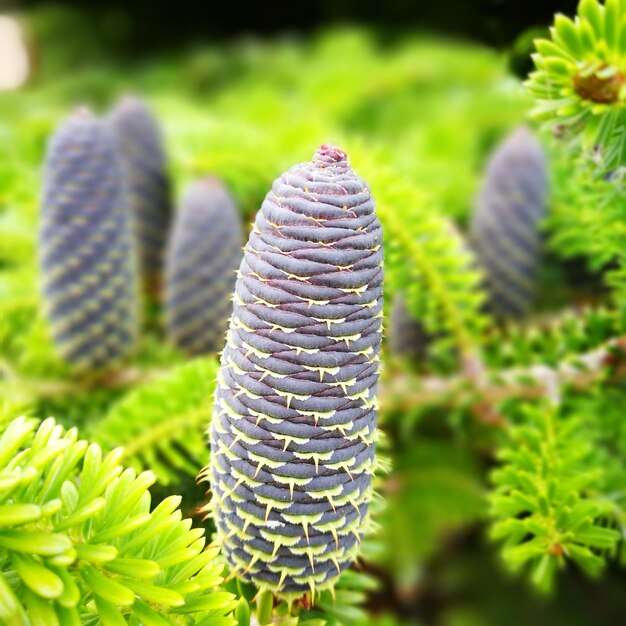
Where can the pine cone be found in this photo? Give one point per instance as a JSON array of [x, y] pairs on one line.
[[408, 339], [86, 245], [139, 145], [294, 423], [203, 255], [505, 226]]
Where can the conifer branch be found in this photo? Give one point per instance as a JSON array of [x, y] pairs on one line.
[[403, 392], [50, 388]]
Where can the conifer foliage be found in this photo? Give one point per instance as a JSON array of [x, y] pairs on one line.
[[545, 503], [203, 255], [580, 78], [294, 424], [86, 248], [80, 542]]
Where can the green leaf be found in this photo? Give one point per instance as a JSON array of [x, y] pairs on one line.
[[106, 588], [82, 514], [37, 576], [11, 611], [544, 571], [586, 559], [44, 544], [212, 601], [351, 579], [548, 48], [150, 617], [611, 22], [125, 527], [264, 607], [154, 593], [17, 514], [96, 553], [590, 9], [136, 568], [40, 611], [242, 612], [597, 537], [69, 616], [109, 613], [567, 35], [347, 615], [71, 593]]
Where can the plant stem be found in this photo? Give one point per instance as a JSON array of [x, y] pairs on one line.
[[53, 388], [403, 392]]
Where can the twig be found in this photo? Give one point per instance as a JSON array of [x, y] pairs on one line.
[[404, 392], [114, 380]]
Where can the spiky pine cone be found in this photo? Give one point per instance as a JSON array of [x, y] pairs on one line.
[[139, 145], [408, 339], [203, 255], [505, 226], [294, 423], [86, 247]]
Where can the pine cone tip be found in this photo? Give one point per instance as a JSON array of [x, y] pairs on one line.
[[209, 182], [130, 101], [83, 113], [330, 154]]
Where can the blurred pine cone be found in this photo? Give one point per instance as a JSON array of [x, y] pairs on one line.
[[294, 424], [203, 255], [86, 247], [505, 227], [139, 145], [408, 339]]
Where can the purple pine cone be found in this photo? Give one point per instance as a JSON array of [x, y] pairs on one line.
[[294, 423], [505, 226], [86, 247], [408, 339], [139, 145], [203, 255]]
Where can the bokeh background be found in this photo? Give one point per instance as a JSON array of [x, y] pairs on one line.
[[242, 91]]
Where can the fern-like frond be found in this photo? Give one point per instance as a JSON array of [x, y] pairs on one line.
[[553, 339], [161, 424], [547, 506], [588, 218]]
